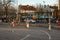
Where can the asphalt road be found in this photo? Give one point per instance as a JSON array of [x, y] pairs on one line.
[[8, 32]]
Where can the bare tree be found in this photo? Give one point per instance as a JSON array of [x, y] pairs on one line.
[[6, 4]]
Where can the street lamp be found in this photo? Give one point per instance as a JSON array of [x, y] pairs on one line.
[[50, 19], [49, 24]]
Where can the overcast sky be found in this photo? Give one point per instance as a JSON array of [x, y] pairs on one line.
[[34, 2]]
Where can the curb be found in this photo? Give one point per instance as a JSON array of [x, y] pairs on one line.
[[38, 25]]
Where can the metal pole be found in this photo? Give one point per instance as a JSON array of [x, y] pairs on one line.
[[49, 23]]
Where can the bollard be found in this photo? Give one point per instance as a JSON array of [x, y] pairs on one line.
[[49, 24], [49, 27], [13, 24], [27, 25]]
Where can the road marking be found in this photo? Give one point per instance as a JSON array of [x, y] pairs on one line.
[[29, 34], [47, 34], [25, 37]]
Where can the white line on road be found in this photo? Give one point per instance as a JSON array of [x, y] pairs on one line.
[[25, 37], [47, 34]]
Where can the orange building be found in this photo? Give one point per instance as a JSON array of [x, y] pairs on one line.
[[27, 9], [58, 4], [58, 8]]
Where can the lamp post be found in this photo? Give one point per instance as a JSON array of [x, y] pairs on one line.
[[27, 21], [52, 10], [49, 24]]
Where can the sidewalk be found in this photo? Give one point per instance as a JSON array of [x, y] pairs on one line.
[[37, 25]]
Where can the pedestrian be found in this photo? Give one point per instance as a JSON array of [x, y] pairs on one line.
[[27, 23], [13, 23]]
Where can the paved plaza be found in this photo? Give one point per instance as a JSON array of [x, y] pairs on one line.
[[8, 32]]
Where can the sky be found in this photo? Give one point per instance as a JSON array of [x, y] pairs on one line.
[[34, 2]]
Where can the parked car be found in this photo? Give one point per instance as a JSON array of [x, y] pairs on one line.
[[3, 19], [30, 20], [54, 20], [39, 21]]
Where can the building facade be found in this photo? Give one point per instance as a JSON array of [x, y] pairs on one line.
[[58, 4]]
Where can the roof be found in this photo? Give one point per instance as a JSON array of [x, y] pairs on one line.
[[27, 7], [54, 7]]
